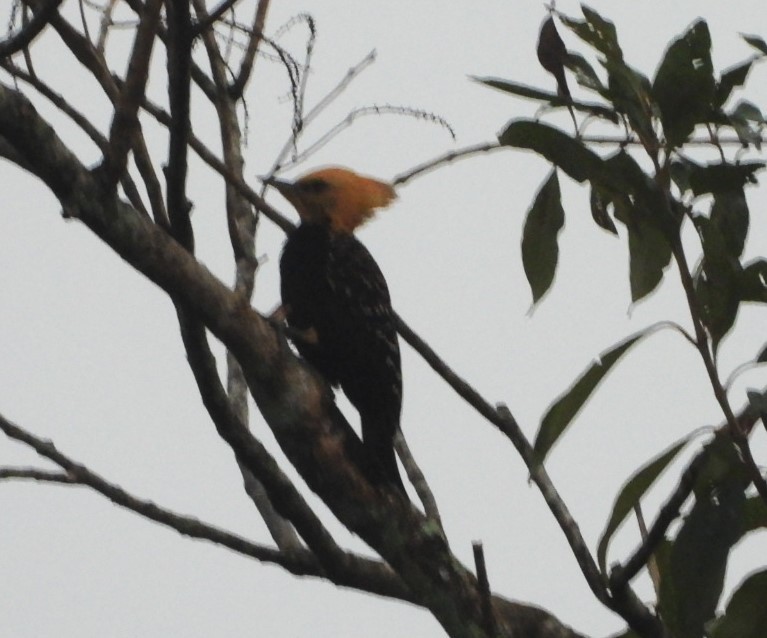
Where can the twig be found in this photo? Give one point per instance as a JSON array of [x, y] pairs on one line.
[[476, 149], [80, 120], [356, 571], [739, 436], [323, 103], [125, 123], [83, 50], [238, 86], [31, 29], [416, 477], [222, 169], [386, 109], [503, 419], [220, 10], [83, 20], [179, 63], [620, 575], [242, 230], [33, 474], [484, 588], [652, 563], [104, 25]]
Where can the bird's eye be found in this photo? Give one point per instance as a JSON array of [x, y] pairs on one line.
[[315, 186]]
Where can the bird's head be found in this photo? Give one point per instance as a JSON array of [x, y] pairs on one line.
[[335, 196]]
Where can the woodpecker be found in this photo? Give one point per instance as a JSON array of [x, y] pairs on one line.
[[337, 303]]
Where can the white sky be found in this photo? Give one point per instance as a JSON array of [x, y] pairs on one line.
[[91, 356]]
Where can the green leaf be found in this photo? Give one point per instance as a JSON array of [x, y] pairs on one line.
[[748, 111], [684, 86], [556, 146], [747, 119], [562, 412], [596, 32], [732, 78], [649, 253], [539, 238], [756, 42], [716, 285], [693, 576], [754, 515], [747, 133], [746, 613], [600, 210], [721, 176], [638, 201], [631, 93], [757, 401], [632, 492], [584, 73], [752, 285], [523, 90], [718, 281], [730, 219]]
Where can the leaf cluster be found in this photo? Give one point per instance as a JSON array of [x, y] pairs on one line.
[[653, 183]]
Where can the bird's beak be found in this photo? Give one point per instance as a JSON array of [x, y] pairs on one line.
[[282, 186]]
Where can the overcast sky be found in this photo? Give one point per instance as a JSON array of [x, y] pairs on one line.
[[90, 355]]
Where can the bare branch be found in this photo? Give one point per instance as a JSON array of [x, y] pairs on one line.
[[630, 608], [484, 587], [296, 404], [323, 103], [621, 574], [738, 434], [34, 474], [386, 109], [238, 86], [220, 10], [447, 158], [83, 50], [80, 120], [179, 64], [104, 26], [416, 477], [242, 229], [125, 126], [31, 29], [361, 573]]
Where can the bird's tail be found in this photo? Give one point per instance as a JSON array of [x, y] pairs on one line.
[[378, 441]]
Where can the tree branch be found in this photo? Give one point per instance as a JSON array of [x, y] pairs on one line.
[[31, 30], [33, 474], [447, 158], [246, 67], [127, 183], [296, 404], [629, 607], [362, 573], [125, 125]]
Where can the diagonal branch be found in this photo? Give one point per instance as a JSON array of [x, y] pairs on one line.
[[256, 35], [629, 607], [34, 474], [362, 573], [30, 31], [80, 120], [84, 52], [296, 403], [216, 14], [125, 125], [242, 224], [179, 65]]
